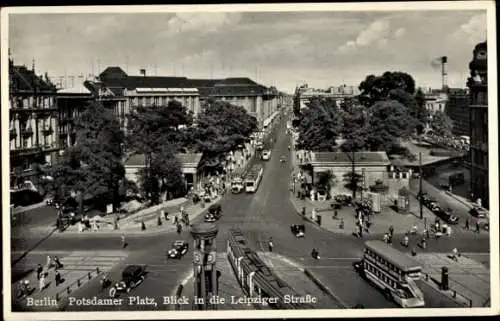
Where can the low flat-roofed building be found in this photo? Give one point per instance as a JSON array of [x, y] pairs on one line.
[[189, 166], [374, 165]]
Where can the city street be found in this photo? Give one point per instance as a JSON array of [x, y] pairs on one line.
[[267, 213]]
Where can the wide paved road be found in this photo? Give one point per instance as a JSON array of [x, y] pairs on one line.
[[267, 213]]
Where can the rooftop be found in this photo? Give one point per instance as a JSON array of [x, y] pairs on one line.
[[115, 77], [342, 157], [25, 79], [186, 160], [77, 90]]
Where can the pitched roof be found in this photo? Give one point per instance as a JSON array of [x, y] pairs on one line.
[[186, 160], [77, 90], [342, 157], [25, 79]]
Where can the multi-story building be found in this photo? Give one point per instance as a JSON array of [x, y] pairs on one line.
[[70, 102], [478, 153], [304, 94], [123, 93], [32, 123], [457, 108]]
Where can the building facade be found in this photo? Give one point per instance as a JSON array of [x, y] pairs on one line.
[[457, 108], [478, 111], [71, 102], [304, 94], [33, 123], [123, 93], [435, 100]]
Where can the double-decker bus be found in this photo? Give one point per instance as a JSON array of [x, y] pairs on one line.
[[253, 178], [392, 271]]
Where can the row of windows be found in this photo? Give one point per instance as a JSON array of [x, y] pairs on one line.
[[161, 100], [32, 102], [377, 258]]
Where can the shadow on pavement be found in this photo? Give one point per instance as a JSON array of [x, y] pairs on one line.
[[17, 260]]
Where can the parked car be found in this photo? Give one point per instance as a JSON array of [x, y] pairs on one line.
[[214, 213], [132, 276], [447, 216], [343, 199], [179, 248]]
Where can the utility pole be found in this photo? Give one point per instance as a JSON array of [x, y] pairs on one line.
[[420, 185]]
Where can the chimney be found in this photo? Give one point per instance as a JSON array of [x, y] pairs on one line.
[[444, 72], [143, 72]]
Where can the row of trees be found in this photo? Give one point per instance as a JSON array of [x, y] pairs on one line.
[[95, 167], [389, 109]]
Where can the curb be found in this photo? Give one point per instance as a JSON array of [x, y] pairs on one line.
[[459, 200], [325, 289], [132, 232]]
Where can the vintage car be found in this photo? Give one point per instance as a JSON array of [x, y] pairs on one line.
[[237, 185], [266, 155], [214, 213], [447, 216], [179, 248], [298, 230], [132, 276]]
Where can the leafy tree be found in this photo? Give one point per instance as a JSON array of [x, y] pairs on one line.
[[388, 122], [319, 126], [422, 115], [441, 124], [377, 88], [94, 165], [221, 127], [354, 121]]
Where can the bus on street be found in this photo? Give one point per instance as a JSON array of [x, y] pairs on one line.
[[393, 272]]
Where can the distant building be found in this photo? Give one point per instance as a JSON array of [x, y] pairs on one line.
[[435, 100], [71, 103], [478, 153], [457, 108], [304, 94], [124, 93], [33, 123]]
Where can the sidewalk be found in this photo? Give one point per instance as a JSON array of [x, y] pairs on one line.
[[469, 280], [228, 286], [79, 268], [133, 226]]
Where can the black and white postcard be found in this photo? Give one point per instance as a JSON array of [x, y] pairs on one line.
[[250, 161]]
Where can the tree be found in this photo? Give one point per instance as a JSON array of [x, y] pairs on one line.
[[94, 165], [377, 88], [354, 122], [388, 121], [221, 128], [422, 114], [442, 125], [320, 126]]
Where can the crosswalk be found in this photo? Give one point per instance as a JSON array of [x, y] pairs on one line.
[[79, 267]]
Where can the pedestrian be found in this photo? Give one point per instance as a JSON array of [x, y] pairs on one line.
[[270, 244], [58, 263], [423, 243], [123, 241], [386, 238], [42, 282], [57, 278], [39, 270], [49, 262], [448, 230], [467, 222], [478, 227], [391, 231], [341, 224], [405, 240], [179, 228], [413, 252]]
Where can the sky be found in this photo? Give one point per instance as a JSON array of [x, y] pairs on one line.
[[282, 49]]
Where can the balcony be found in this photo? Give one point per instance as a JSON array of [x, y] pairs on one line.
[[26, 132], [25, 151]]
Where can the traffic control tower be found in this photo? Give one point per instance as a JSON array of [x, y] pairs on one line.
[[204, 259]]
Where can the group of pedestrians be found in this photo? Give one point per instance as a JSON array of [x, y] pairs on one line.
[[42, 272]]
